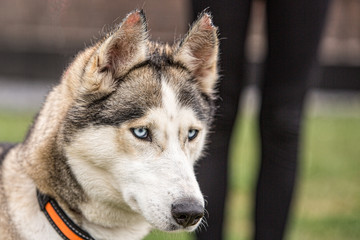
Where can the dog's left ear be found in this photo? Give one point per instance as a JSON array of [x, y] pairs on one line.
[[126, 46], [117, 54], [199, 52]]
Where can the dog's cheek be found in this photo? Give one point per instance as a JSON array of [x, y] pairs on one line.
[[131, 199], [125, 142]]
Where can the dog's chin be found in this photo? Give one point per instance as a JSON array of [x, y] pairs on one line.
[[173, 228]]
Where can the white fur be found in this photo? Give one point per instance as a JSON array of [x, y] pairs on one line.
[[132, 183], [23, 204]]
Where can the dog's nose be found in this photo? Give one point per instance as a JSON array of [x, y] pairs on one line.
[[187, 212]]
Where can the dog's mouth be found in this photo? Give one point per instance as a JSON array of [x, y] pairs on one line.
[[175, 227]]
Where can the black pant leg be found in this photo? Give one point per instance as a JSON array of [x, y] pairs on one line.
[[231, 17], [294, 29]]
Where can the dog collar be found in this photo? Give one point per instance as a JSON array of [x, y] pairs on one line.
[[63, 225]]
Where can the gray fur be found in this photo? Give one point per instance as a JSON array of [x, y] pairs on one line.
[[117, 80]]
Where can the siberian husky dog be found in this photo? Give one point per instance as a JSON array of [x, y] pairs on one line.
[[111, 153]]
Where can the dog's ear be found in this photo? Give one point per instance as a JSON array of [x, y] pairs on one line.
[[199, 52], [111, 58], [125, 47]]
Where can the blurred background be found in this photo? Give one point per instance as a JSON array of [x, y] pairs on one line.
[[40, 37]]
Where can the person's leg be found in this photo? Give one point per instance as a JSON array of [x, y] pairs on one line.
[[231, 17], [294, 29]]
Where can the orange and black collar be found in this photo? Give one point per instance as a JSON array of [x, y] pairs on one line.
[[63, 225]]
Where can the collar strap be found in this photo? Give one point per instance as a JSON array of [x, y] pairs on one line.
[[63, 225]]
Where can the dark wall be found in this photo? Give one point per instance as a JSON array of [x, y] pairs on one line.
[[39, 37]]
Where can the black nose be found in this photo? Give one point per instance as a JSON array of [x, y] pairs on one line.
[[187, 212]]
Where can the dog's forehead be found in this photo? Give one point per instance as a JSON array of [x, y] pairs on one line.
[[168, 86], [141, 90], [141, 87]]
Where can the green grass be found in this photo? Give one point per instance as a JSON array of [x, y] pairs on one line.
[[327, 205], [14, 125]]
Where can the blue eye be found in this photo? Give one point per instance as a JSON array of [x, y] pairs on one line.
[[141, 132], [192, 134]]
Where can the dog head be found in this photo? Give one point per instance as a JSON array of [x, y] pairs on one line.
[[139, 119]]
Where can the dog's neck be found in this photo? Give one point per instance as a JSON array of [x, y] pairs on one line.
[[42, 153], [30, 222], [56, 216]]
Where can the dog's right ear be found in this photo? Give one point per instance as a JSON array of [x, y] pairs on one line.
[[125, 47], [113, 57]]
